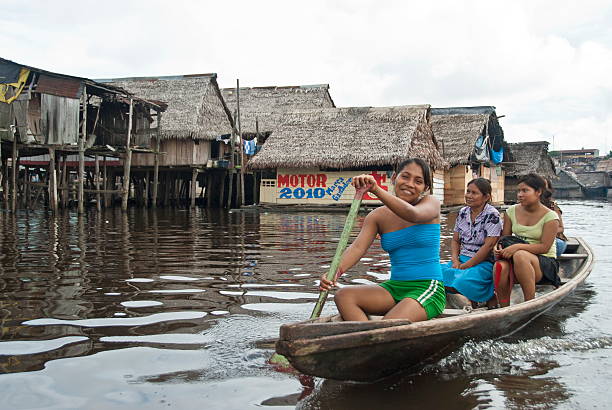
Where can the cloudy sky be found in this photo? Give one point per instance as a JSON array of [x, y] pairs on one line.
[[546, 66]]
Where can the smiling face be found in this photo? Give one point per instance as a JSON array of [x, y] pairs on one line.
[[527, 195], [474, 198], [409, 182]]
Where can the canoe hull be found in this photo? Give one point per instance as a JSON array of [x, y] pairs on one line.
[[375, 353]]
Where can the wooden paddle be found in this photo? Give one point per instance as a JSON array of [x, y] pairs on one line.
[[280, 360]]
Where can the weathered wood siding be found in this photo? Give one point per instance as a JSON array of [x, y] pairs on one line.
[[497, 176], [455, 182], [177, 152], [59, 119]]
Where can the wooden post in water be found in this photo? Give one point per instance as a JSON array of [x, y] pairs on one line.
[[230, 187], [128, 161], [26, 187], [97, 181], [105, 178], [81, 174], [156, 161], [194, 186], [241, 148], [5, 185], [14, 173], [52, 184], [65, 192], [147, 178]]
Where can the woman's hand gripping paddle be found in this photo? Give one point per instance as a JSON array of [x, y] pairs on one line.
[[281, 361]]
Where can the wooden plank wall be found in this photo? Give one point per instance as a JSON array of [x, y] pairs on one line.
[[183, 152], [455, 180], [60, 119], [497, 176]]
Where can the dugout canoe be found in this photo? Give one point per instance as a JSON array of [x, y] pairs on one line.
[[365, 351]]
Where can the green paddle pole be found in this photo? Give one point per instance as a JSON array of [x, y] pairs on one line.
[[346, 232], [281, 361]]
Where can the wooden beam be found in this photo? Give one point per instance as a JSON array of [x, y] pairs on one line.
[[97, 180], [194, 181], [241, 148], [52, 181], [81, 175], [128, 160], [14, 174], [147, 179], [156, 161]]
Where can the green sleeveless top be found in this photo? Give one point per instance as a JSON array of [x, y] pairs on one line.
[[533, 233]]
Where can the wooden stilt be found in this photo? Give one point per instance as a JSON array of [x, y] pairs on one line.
[[167, 188], [128, 161], [97, 181], [156, 161], [52, 181], [146, 188], [208, 189], [65, 193], [81, 175], [106, 182], [14, 175], [26, 188], [230, 188], [5, 185]]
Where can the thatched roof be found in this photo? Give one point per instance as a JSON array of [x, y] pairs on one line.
[[349, 138], [457, 129], [195, 107], [255, 102], [528, 157]]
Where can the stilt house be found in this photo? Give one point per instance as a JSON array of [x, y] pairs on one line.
[[258, 115], [195, 137], [471, 140], [316, 152], [525, 158], [42, 112]]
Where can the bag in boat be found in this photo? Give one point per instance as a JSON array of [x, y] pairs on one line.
[[509, 240]]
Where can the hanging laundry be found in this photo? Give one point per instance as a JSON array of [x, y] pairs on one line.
[[481, 149], [249, 147], [497, 156]]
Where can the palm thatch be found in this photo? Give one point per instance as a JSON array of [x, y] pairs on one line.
[[529, 157], [196, 108], [345, 138], [255, 102], [457, 129]]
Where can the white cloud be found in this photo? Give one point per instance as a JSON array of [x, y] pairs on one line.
[[545, 67]]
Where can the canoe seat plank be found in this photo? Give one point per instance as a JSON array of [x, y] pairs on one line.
[[571, 256]]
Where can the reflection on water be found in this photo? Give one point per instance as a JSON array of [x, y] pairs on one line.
[[145, 309]]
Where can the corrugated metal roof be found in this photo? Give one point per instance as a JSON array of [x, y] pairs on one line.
[[63, 87]]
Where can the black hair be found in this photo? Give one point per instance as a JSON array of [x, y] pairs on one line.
[[424, 167], [536, 182], [546, 197], [483, 185]]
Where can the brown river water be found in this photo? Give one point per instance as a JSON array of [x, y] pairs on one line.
[[177, 309]]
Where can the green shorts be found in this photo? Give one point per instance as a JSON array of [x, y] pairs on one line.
[[429, 293]]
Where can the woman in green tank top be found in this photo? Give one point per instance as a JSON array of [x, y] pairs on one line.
[[535, 261]]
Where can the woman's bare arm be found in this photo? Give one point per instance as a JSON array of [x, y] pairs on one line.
[[355, 251]]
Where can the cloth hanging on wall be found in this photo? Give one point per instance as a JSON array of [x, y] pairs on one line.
[[10, 91]]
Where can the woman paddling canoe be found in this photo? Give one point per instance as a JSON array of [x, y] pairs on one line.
[[409, 228]]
